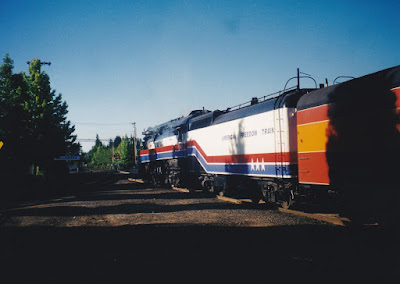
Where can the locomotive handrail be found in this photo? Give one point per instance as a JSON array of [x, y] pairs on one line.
[[260, 99], [296, 77], [350, 77], [276, 94]]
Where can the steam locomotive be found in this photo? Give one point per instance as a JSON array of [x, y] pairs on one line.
[[339, 140]]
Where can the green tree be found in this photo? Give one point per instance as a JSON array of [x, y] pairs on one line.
[[88, 157], [117, 141], [98, 141], [125, 151], [13, 128], [33, 122], [51, 132], [101, 157]]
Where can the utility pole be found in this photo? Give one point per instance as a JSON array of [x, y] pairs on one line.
[[113, 153], [41, 63], [134, 144]]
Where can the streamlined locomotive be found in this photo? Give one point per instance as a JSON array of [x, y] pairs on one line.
[[343, 139]]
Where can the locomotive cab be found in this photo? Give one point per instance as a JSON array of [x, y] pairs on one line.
[[163, 147]]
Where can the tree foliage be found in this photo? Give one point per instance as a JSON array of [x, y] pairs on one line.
[[117, 154], [117, 141], [98, 141], [33, 120], [125, 152]]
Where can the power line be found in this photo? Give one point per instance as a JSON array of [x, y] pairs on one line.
[[101, 123], [40, 62], [92, 140]]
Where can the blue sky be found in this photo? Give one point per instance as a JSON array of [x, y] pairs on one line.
[[117, 62]]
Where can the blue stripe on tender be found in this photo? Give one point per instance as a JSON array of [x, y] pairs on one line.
[[243, 169]]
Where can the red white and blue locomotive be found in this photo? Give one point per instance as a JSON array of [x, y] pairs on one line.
[[344, 138]]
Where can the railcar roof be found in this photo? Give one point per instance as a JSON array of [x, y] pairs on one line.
[[246, 111], [359, 91], [175, 122], [289, 99]]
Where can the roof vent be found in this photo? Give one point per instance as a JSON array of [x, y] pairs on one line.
[[254, 100]]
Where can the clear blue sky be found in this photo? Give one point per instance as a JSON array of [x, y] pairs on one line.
[[117, 62]]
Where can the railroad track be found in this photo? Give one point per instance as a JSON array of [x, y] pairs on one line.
[[330, 218]]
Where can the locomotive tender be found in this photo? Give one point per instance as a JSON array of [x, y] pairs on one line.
[[344, 139]]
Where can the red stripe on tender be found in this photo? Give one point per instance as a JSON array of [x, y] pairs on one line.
[[286, 157], [247, 158], [313, 168]]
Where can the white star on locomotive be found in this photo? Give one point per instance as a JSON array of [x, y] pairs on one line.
[[257, 166]]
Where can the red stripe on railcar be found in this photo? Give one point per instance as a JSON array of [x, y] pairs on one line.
[[397, 93], [246, 158], [314, 114], [313, 168]]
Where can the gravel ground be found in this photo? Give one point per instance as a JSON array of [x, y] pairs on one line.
[[114, 228], [128, 203]]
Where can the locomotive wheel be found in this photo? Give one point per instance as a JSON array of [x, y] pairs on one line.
[[175, 181], [209, 190], [255, 199], [256, 196], [268, 192], [288, 202], [155, 180], [222, 192]]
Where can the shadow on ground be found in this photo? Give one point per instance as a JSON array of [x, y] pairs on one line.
[[186, 252], [29, 189], [317, 254]]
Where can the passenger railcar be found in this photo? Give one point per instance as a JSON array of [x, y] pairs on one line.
[[349, 143], [339, 139]]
